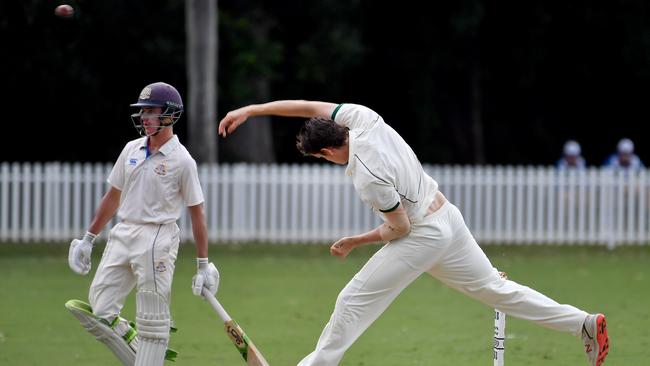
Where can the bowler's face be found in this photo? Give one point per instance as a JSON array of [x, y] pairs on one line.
[[334, 155]]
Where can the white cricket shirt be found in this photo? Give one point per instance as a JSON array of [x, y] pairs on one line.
[[384, 170], [155, 189]]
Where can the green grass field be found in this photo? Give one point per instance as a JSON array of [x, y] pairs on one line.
[[282, 295]]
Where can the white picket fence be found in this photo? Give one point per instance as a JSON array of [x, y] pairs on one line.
[[317, 203]]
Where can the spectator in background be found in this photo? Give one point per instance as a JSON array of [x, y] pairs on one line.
[[624, 158], [571, 156]]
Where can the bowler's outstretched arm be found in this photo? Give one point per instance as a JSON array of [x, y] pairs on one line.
[[283, 108]]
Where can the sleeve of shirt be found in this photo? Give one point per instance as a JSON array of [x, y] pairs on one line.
[[355, 116], [190, 185], [116, 178], [381, 195], [639, 163]]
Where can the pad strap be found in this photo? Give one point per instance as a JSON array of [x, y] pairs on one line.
[[152, 315]]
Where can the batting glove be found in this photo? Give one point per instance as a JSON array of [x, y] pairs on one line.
[[79, 254], [206, 276]]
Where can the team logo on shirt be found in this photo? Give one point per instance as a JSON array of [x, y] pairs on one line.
[[161, 267], [133, 162], [161, 169]]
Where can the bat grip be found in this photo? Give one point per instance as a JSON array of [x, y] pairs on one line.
[[216, 305]]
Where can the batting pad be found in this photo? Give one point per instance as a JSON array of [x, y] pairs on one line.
[[153, 323], [102, 331]]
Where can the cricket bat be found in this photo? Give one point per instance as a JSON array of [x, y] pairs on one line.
[[244, 345]]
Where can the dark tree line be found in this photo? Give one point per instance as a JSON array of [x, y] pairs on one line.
[[465, 82]]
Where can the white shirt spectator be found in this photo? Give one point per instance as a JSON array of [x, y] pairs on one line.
[[571, 156], [624, 158]]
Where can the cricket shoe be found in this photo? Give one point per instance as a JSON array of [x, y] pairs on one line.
[[595, 339]]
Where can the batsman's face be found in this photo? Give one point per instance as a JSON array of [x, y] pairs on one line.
[[150, 118]]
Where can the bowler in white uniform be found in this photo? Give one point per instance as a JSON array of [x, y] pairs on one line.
[[423, 232]]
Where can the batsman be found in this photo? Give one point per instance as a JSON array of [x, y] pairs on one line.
[[153, 179], [423, 232]]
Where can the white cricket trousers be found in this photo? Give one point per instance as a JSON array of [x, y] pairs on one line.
[[141, 255], [441, 245]]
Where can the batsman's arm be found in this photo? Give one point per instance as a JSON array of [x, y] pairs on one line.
[[106, 210], [283, 108], [199, 230], [396, 226]]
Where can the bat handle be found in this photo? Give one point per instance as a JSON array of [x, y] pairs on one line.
[[216, 305]]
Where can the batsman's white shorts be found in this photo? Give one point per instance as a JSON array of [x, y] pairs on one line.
[[141, 255], [442, 245]]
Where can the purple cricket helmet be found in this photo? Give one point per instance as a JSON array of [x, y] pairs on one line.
[[160, 95]]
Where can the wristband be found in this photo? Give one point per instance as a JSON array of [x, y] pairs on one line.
[[89, 237], [201, 262]]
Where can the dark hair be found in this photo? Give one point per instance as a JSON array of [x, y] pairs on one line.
[[318, 133]]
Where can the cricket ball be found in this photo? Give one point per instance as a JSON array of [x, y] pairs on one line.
[[64, 11]]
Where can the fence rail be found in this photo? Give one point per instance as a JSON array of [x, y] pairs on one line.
[[315, 203]]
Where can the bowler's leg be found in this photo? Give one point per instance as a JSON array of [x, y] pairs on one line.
[[362, 300], [466, 268]]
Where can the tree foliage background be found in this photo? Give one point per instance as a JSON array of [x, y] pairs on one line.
[[465, 82]]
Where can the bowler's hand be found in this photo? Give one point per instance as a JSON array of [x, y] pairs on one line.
[[232, 120], [342, 247], [206, 276], [79, 254]]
